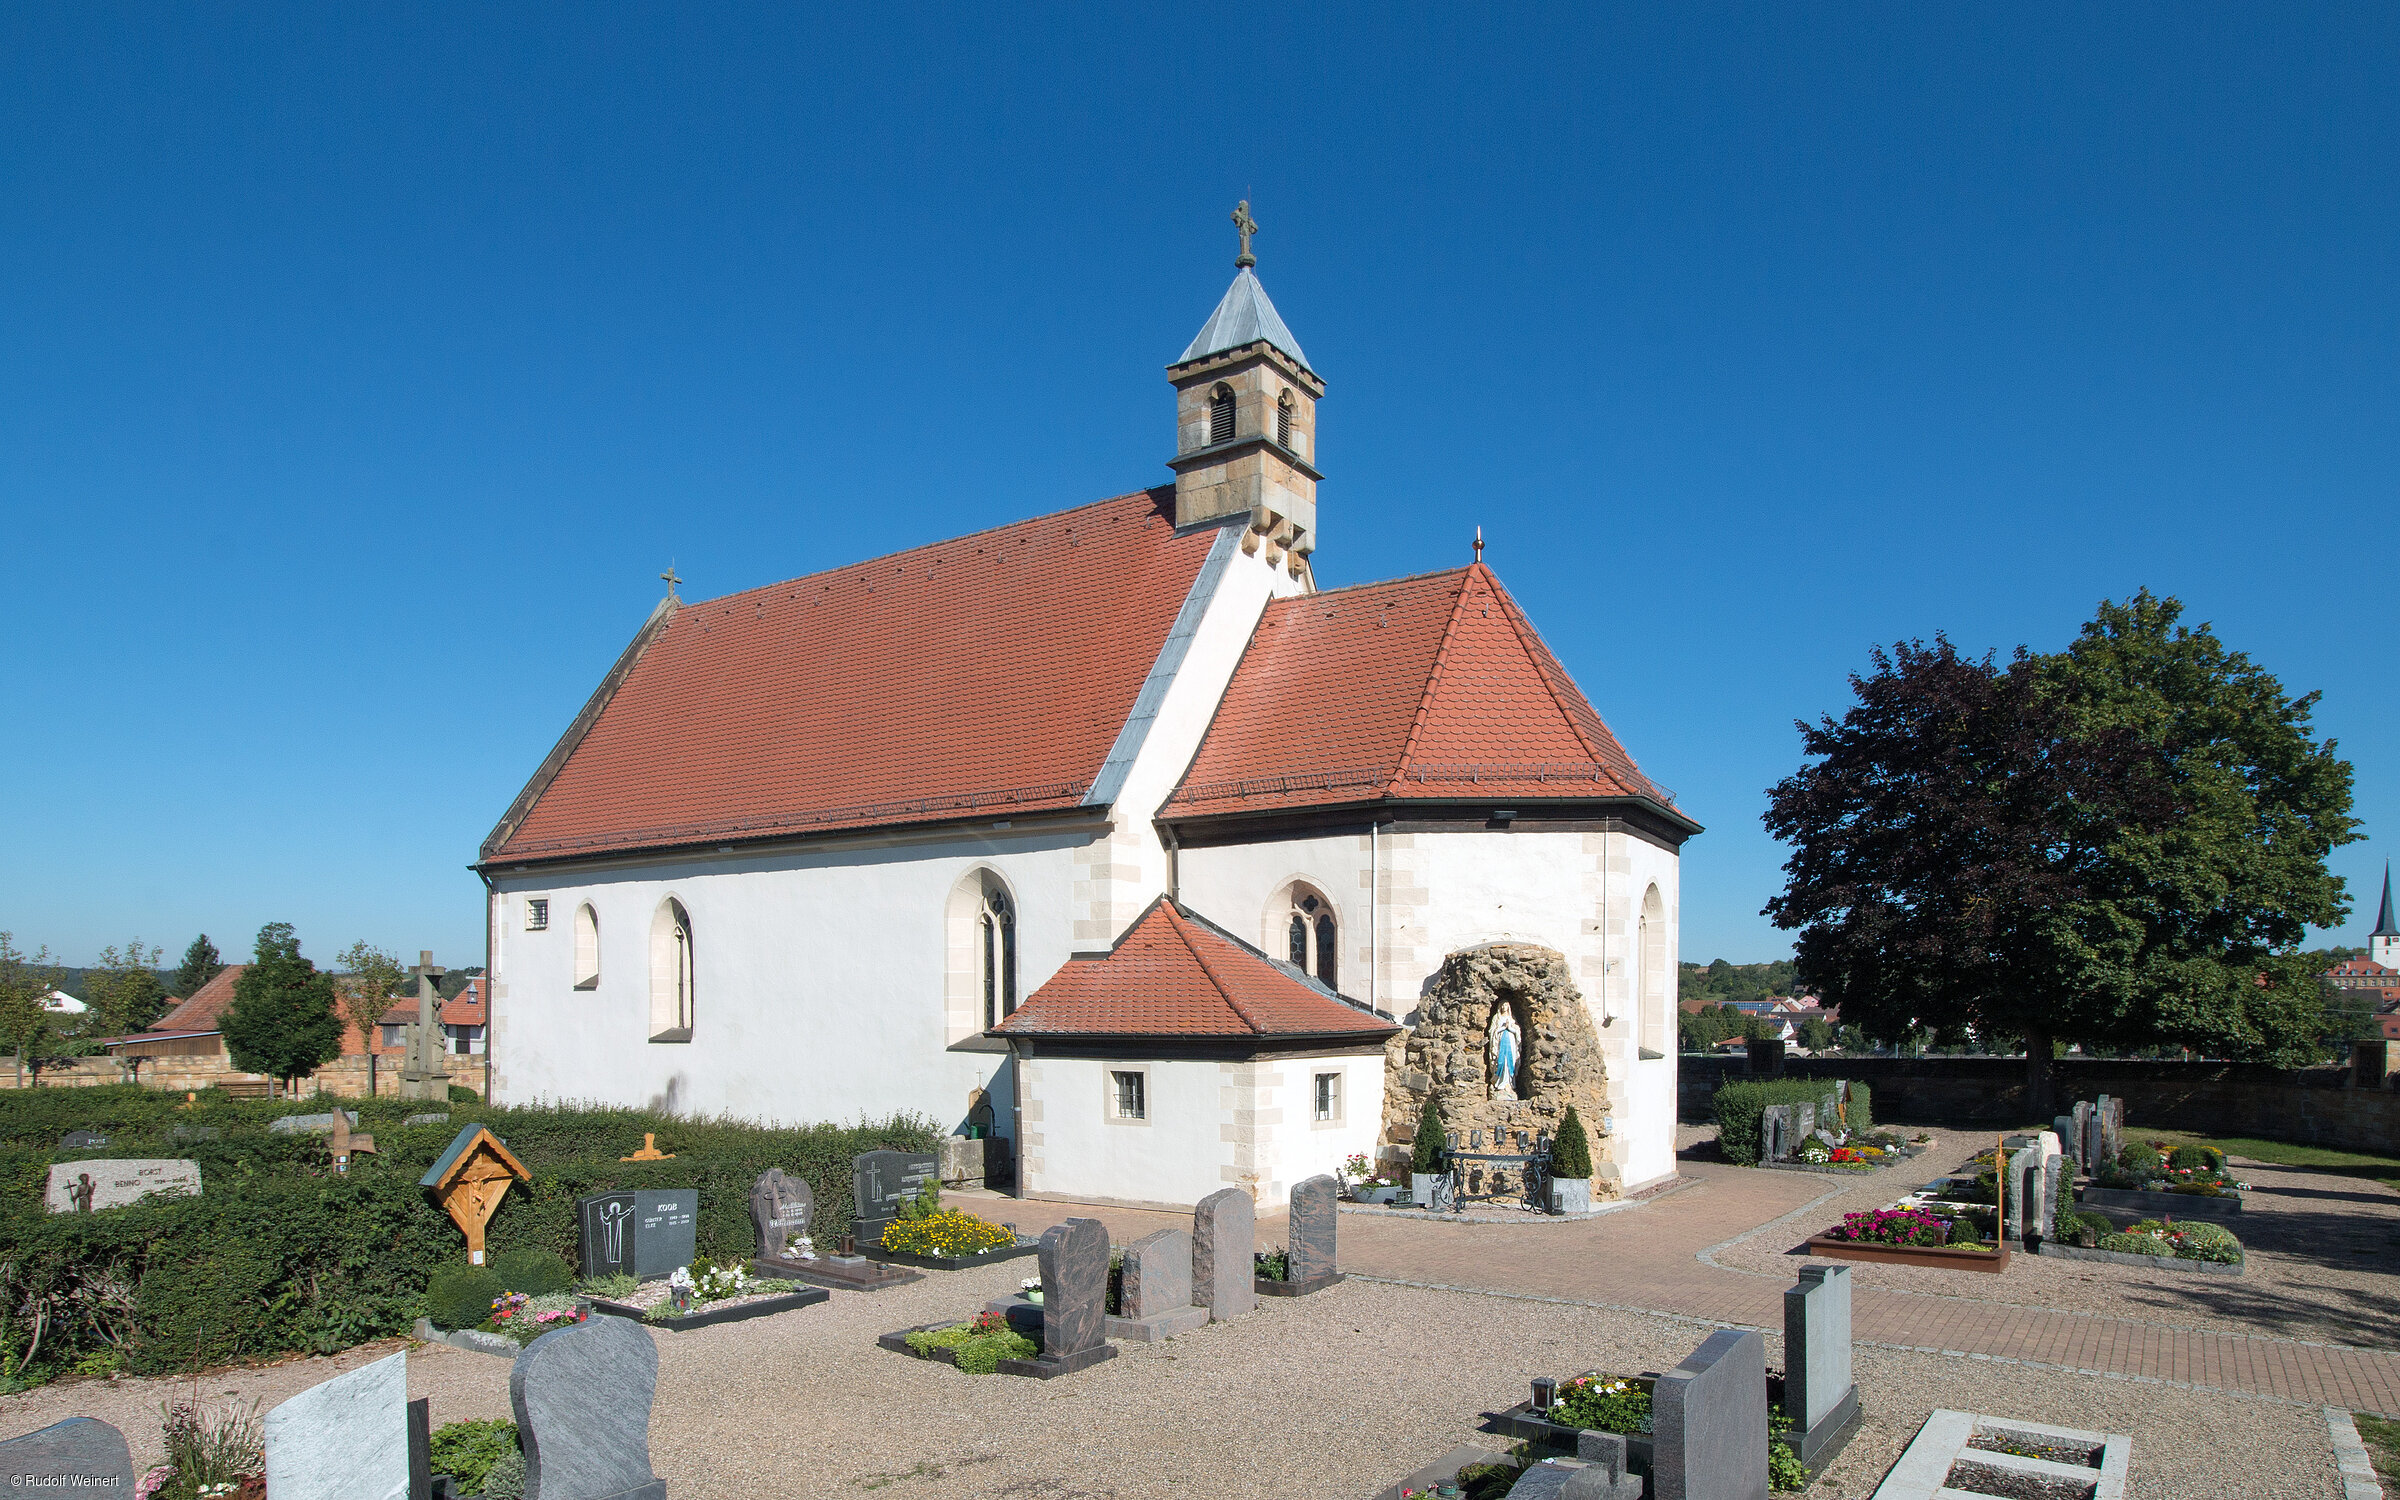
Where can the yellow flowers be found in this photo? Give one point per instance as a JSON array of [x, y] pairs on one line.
[[948, 1232]]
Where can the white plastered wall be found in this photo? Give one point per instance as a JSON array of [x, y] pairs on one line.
[[1211, 1125], [1441, 892]]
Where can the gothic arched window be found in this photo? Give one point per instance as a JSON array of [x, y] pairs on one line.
[[587, 947], [996, 955], [1314, 934], [672, 969], [1650, 956], [1220, 414]]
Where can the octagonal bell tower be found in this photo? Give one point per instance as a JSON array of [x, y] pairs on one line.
[[1246, 421]]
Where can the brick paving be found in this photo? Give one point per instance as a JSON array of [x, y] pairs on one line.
[[1660, 1259]]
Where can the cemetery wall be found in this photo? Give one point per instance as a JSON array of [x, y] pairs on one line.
[[345, 1076], [1443, 892], [2311, 1106]]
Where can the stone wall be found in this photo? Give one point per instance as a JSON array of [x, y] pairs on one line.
[[346, 1076], [1445, 1055], [2311, 1106]]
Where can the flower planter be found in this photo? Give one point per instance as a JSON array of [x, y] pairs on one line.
[[951, 1262], [1940, 1257], [2163, 1205], [732, 1310], [1420, 1188], [1523, 1422], [2058, 1251], [1885, 1163], [1570, 1195], [1385, 1194], [1268, 1288]]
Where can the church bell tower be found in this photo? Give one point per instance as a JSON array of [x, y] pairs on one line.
[[1246, 421]]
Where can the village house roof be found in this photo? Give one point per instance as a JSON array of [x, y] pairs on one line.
[[466, 1008], [1175, 974], [984, 676], [200, 1012], [1432, 688]]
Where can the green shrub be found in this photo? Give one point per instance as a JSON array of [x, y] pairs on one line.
[[461, 1094], [1571, 1154], [2216, 1158], [1962, 1231], [466, 1451], [2133, 1156], [1740, 1106], [1861, 1108], [532, 1271], [2210, 1242], [2074, 1228], [2190, 1159], [278, 1255], [506, 1481], [461, 1296], [615, 1288], [2136, 1244], [1604, 1403], [1425, 1154], [980, 1345]]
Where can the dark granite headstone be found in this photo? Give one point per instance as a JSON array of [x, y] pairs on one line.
[[605, 1223], [82, 1140], [1709, 1422], [666, 1232], [1224, 1254], [2081, 1148], [880, 1181], [782, 1210], [1604, 1475], [582, 1401], [420, 1449], [1158, 1275], [1074, 1301], [1311, 1234], [76, 1457], [1818, 1393]]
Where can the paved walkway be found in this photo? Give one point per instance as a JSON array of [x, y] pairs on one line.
[[1663, 1259]]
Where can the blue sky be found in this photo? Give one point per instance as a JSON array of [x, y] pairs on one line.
[[361, 368]]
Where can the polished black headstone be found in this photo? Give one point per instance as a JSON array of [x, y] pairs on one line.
[[605, 1223], [666, 1231], [880, 1181]]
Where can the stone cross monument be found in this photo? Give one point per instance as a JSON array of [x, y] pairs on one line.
[[422, 1075]]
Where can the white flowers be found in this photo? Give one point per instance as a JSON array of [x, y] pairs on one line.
[[1030, 1284], [682, 1279]]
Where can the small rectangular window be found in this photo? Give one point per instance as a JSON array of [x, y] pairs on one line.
[[1131, 1103], [1329, 1097], [537, 914]]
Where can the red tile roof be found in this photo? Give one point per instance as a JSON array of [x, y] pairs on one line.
[[987, 674], [466, 1007], [1434, 687], [1177, 975], [2359, 968], [200, 1012]]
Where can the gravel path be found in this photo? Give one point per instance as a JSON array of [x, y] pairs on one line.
[[1333, 1395]]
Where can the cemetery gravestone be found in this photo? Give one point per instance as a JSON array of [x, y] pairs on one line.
[[1775, 1138], [344, 1440], [1603, 1476], [90, 1186], [1709, 1427], [1224, 1254], [880, 1181], [1155, 1295], [666, 1231], [604, 1225], [2112, 1127], [2082, 1137], [82, 1140], [1310, 1263], [582, 1400], [440, 1117], [1818, 1392], [295, 1124], [2024, 1173], [2054, 1183], [781, 1208], [78, 1456], [1074, 1301], [2064, 1128]]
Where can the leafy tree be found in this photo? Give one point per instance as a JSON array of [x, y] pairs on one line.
[[200, 965], [371, 977], [1817, 1035], [2120, 844], [282, 1021], [29, 1027], [123, 989]]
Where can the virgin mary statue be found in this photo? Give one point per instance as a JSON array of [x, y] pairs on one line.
[[1505, 1052]]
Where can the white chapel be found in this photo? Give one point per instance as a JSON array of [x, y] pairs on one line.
[[1108, 827]]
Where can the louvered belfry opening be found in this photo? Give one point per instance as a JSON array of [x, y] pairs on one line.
[[1220, 415], [1283, 421]]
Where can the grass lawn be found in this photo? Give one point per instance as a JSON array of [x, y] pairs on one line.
[[2383, 1444]]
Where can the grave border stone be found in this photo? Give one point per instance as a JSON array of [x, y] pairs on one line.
[[1923, 1469]]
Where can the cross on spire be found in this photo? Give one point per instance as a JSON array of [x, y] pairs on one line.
[[1245, 226], [672, 579]]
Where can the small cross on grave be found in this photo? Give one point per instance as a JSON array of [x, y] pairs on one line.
[[649, 1151], [345, 1144]]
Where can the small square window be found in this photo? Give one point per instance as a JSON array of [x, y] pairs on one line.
[[1132, 1096], [537, 914], [1329, 1097]]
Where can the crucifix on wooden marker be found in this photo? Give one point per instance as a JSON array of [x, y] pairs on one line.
[[470, 1179], [1245, 226]]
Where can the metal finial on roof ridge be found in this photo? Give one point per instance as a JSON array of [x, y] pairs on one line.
[[1245, 226]]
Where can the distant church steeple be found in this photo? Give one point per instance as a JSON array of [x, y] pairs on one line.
[[2384, 946], [1246, 420]]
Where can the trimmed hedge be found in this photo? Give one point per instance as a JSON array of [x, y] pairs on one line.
[[1742, 1106], [281, 1254]]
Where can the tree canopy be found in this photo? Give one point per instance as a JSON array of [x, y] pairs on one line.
[[26, 1024], [123, 989], [2120, 844], [282, 1021], [200, 965]]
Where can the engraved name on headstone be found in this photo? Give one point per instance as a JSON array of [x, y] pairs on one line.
[[90, 1186]]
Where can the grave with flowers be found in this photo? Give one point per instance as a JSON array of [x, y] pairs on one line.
[[704, 1293], [1912, 1235]]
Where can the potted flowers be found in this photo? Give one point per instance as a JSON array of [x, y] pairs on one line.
[[1425, 1155], [1571, 1167]]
